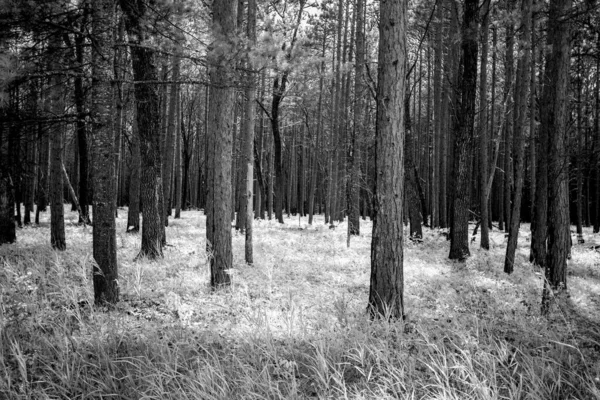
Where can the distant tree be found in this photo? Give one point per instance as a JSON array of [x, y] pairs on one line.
[[57, 140], [7, 210], [220, 142], [248, 136], [387, 280]]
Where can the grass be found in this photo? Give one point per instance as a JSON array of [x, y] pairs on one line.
[[293, 325]]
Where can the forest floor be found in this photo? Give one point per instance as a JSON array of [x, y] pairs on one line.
[[293, 325]]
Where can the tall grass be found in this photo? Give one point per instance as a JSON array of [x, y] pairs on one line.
[[293, 326]]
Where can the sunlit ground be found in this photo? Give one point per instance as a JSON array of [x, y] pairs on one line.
[[293, 324]]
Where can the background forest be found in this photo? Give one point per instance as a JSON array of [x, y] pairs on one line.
[[200, 199]]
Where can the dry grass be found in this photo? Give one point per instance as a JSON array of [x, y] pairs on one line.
[[292, 326]]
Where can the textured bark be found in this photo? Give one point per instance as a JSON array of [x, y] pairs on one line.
[[554, 122], [106, 288], [438, 121], [248, 135], [178, 179], [483, 129], [520, 112], [315, 160], [220, 144], [133, 213], [410, 177], [7, 211], [43, 172], [57, 220], [508, 132], [146, 98], [464, 118], [171, 138], [387, 280], [81, 129], [358, 125]]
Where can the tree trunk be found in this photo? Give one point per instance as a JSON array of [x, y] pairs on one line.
[[7, 211], [220, 145], [171, 137], [464, 119], [358, 125], [554, 122], [81, 129], [106, 288], [248, 138], [483, 128], [146, 98], [387, 280], [57, 220], [133, 214]]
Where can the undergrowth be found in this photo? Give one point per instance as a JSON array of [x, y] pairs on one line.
[[293, 325]]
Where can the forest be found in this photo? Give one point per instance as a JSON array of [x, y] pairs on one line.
[[299, 199]]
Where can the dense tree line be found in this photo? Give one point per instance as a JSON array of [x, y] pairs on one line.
[[432, 113]]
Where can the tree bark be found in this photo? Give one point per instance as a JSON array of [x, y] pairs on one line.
[[133, 213], [483, 129], [554, 122], [464, 118], [520, 111], [57, 219], [387, 280], [248, 138], [146, 97], [220, 145]]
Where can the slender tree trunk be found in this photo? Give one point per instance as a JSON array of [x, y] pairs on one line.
[[248, 139], [358, 125], [178, 165], [520, 110], [133, 215], [57, 220], [387, 277], [483, 128]]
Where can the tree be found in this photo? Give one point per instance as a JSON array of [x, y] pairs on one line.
[[554, 126], [357, 127], [146, 100], [520, 109], [464, 118], [387, 280], [220, 143], [248, 136], [106, 288], [57, 211]]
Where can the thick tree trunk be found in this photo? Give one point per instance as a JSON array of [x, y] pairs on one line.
[[464, 119], [146, 96], [220, 144], [554, 122], [387, 278], [106, 288]]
